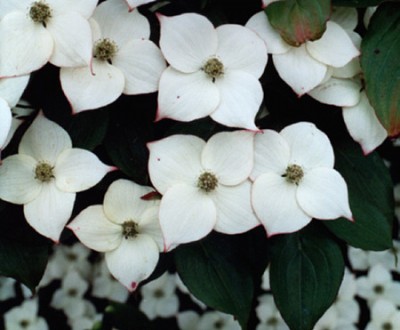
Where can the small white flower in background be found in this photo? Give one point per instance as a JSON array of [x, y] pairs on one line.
[[213, 71], [306, 66], [87, 319], [126, 228], [369, 11], [265, 280], [378, 284], [69, 297], [347, 307], [7, 288], [35, 32], [294, 179], [132, 4], [215, 320], [205, 186], [64, 258], [329, 320], [46, 174], [25, 317], [187, 320], [269, 315], [358, 258], [182, 287], [104, 285], [384, 315], [159, 298], [124, 59], [11, 90]]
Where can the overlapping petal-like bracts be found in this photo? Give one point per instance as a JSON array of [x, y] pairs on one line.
[[133, 66], [131, 256], [205, 186], [306, 66], [11, 90], [35, 32], [213, 71], [285, 198], [46, 174]]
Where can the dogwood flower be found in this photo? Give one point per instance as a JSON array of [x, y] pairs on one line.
[[11, 90], [205, 186], [294, 179], [213, 71], [132, 4], [305, 66], [384, 315], [124, 60], [35, 32], [126, 229], [25, 317], [46, 174], [269, 315]]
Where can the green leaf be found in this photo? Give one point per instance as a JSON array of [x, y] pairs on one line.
[[216, 273], [88, 129], [305, 275], [23, 252], [124, 317], [371, 199], [299, 20], [357, 3], [380, 49]]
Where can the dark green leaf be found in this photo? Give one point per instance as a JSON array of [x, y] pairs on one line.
[[380, 50], [215, 273], [371, 199], [299, 20], [87, 129], [305, 275]]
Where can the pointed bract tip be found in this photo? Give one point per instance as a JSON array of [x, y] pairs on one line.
[[112, 169], [133, 286], [159, 16]]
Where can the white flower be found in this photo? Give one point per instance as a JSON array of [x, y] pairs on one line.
[[159, 298], [25, 317], [347, 308], [46, 174], [69, 297], [7, 289], [265, 280], [126, 228], [35, 32], [384, 315], [124, 60], [105, 285], [304, 67], [294, 179], [378, 284], [369, 11], [87, 319], [132, 4], [269, 315], [11, 90], [215, 320], [187, 320], [205, 186], [213, 71]]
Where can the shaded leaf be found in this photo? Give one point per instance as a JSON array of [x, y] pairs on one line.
[[306, 271], [357, 3], [380, 49]]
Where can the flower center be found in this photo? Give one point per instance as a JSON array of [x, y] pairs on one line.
[[44, 172], [213, 68], [387, 326], [159, 293], [379, 289], [207, 182], [272, 321], [40, 12], [24, 323], [294, 173], [72, 292], [105, 49], [130, 229]]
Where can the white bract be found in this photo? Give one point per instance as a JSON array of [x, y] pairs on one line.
[[213, 71], [124, 60], [11, 90], [132, 4], [205, 186], [126, 228], [384, 315], [215, 320], [46, 174], [159, 297], [35, 32], [25, 317], [304, 67], [294, 179]]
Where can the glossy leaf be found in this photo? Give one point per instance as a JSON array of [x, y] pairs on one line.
[[305, 275], [357, 3], [214, 272], [371, 199], [380, 51], [124, 317], [299, 20]]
